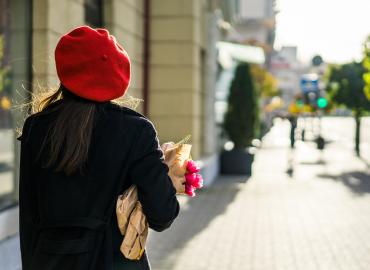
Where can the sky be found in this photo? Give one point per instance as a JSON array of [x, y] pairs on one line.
[[335, 29]]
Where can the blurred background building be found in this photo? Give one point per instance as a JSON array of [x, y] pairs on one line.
[[288, 70], [254, 24]]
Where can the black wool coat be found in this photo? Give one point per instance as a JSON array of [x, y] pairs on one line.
[[69, 222]]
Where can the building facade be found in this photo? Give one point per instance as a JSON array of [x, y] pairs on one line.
[[288, 70], [171, 44], [254, 24]]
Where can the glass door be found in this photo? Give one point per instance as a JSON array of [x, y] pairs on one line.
[[15, 86]]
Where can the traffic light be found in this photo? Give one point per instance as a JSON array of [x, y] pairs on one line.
[[322, 102]]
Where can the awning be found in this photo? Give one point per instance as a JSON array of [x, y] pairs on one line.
[[229, 52]]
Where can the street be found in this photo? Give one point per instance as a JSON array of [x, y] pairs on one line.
[[319, 218]]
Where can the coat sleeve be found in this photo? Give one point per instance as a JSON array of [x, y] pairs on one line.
[[27, 200], [150, 174]]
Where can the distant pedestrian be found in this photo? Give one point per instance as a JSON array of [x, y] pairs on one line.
[[79, 151], [293, 125]]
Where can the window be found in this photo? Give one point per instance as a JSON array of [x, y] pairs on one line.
[[15, 76], [94, 13]]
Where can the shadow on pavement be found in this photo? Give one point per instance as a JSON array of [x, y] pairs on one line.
[[317, 162], [195, 216], [358, 182]]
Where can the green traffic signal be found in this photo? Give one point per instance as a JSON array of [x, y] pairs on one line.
[[322, 102]]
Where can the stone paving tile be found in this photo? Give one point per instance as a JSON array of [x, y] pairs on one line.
[[319, 218], [9, 254]]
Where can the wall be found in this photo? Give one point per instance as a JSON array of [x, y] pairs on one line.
[[124, 19], [175, 85], [51, 19], [251, 9]]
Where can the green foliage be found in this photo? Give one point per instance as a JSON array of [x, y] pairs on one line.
[[242, 117], [366, 64], [267, 84], [345, 86]]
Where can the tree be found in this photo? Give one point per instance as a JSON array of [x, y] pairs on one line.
[[346, 87], [242, 116]]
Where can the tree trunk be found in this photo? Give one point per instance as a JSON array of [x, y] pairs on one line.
[[357, 134]]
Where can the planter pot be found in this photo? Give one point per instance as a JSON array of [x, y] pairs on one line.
[[237, 161]]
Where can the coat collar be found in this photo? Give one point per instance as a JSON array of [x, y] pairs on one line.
[[113, 106]]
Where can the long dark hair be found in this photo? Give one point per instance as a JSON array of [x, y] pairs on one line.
[[69, 135]]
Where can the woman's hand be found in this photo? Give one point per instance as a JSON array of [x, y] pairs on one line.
[[167, 145], [176, 173]]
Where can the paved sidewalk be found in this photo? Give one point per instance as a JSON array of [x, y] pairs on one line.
[[319, 218]]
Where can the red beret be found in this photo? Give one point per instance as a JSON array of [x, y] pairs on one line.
[[91, 64]]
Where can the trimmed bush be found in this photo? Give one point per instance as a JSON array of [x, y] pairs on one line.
[[241, 122]]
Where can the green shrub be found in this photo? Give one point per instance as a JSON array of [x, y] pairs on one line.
[[241, 122]]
